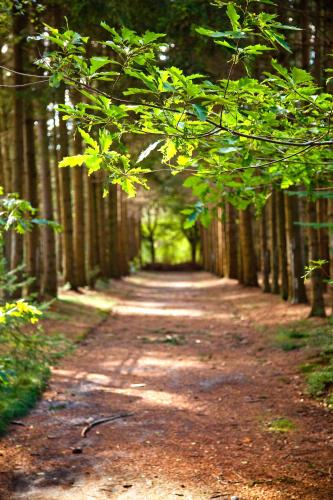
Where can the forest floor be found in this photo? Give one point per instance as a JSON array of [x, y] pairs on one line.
[[193, 362]]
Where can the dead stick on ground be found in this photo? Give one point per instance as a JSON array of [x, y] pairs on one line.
[[17, 422], [103, 421]]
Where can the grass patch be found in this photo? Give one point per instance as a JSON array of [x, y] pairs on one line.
[[320, 384], [281, 425], [317, 339], [21, 393], [290, 339]]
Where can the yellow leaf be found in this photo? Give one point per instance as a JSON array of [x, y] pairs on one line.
[[169, 150], [183, 160]]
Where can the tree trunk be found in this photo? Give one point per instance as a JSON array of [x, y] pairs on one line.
[[101, 243], [281, 229], [92, 236], [152, 249], [123, 234], [330, 220], [19, 22], [274, 245], [32, 237], [247, 248], [79, 220], [66, 205], [297, 292], [114, 270], [57, 198], [231, 243], [322, 212], [49, 268], [265, 256], [317, 69], [317, 289]]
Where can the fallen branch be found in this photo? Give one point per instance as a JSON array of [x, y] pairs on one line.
[[100, 421]]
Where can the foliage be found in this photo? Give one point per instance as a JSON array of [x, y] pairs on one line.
[[25, 352], [171, 245], [314, 265], [21, 393], [236, 137]]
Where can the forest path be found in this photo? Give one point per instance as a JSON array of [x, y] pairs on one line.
[[181, 353]]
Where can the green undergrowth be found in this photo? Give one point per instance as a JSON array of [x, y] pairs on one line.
[[317, 339], [21, 393], [25, 368], [281, 425]]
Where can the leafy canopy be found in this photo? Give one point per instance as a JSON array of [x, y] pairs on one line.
[[234, 137]]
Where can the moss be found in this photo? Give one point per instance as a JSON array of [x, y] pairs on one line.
[[281, 425], [321, 384]]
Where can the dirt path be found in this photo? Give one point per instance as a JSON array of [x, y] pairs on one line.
[[181, 354]]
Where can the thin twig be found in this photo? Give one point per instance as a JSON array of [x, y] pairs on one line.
[[24, 84], [20, 73], [100, 421]]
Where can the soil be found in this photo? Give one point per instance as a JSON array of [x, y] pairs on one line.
[[191, 360]]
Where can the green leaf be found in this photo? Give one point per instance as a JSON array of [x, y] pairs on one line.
[[200, 111], [301, 76], [191, 181], [281, 41], [279, 68], [55, 80], [127, 185], [149, 37], [105, 140], [88, 139], [256, 49], [229, 45], [233, 16], [97, 63], [73, 161], [93, 163], [221, 34]]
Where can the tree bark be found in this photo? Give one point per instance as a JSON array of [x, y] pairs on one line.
[[32, 237], [317, 289], [297, 292], [79, 217], [100, 222], [282, 241], [330, 220], [19, 23], [247, 248], [49, 270], [66, 205], [92, 233], [265, 255], [231, 243], [114, 270], [274, 245]]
